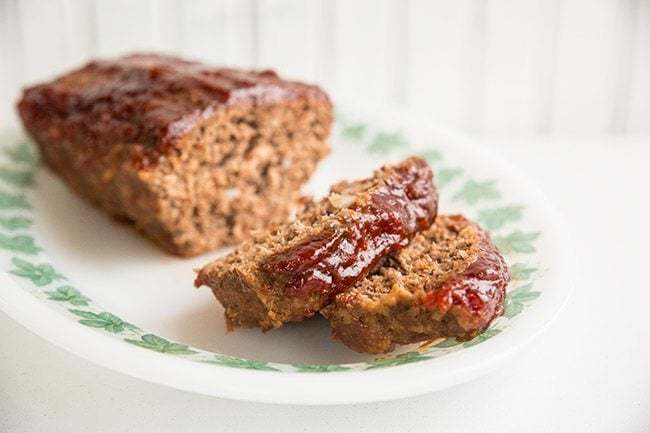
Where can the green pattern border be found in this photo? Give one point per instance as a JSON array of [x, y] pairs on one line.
[[24, 258]]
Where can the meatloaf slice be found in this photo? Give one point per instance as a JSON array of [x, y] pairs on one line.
[[449, 281], [195, 156], [293, 271]]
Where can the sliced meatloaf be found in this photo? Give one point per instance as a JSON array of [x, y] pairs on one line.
[[293, 271], [449, 281], [195, 156]]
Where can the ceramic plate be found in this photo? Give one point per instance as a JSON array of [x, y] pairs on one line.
[[99, 290]]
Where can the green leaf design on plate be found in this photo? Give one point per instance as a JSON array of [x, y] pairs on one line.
[[496, 218], [41, 274], [517, 299], [444, 176], [159, 344], [15, 223], [520, 271], [319, 368], [22, 152], [449, 342], [19, 243], [234, 362], [432, 155], [20, 178], [13, 201], [103, 320], [513, 309], [387, 142], [340, 117], [354, 132], [486, 335], [472, 191], [452, 342], [68, 294], [404, 358], [516, 242]]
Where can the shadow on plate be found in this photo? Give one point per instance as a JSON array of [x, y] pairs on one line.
[[305, 342]]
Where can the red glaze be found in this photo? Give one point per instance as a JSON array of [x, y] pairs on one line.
[[146, 100], [479, 290], [332, 262]]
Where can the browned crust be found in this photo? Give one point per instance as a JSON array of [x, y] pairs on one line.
[[240, 279], [195, 157], [147, 102], [430, 289]]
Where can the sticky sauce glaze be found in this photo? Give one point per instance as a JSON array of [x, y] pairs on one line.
[[478, 290], [333, 261], [146, 99]]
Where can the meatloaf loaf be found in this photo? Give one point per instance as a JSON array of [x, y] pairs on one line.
[[449, 281], [195, 156], [293, 271]]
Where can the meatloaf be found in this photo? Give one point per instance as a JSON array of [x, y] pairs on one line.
[[291, 272], [449, 281], [194, 156]]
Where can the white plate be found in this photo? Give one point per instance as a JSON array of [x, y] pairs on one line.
[[146, 320]]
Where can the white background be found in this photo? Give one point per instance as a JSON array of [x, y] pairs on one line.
[[482, 66], [570, 78]]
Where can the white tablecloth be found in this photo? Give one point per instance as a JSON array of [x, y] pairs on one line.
[[589, 373]]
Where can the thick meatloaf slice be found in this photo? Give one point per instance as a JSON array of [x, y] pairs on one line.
[[449, 281], [195, 156], [293, 271]]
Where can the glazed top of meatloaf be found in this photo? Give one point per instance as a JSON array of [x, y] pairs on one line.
[[146, 99]]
